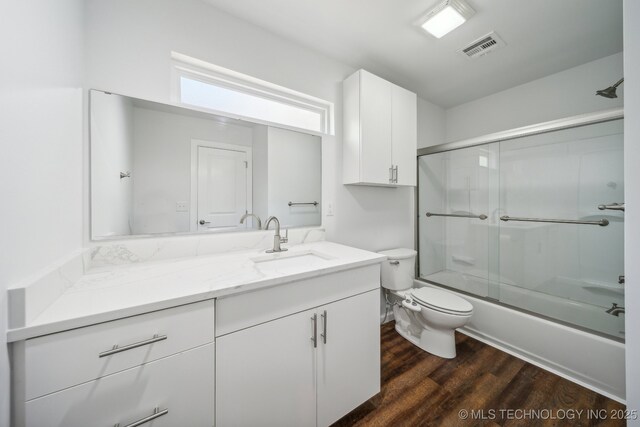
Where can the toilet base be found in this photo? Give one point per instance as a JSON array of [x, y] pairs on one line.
[[438, 343], [436, 340]]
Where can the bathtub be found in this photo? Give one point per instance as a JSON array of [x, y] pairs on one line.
[[592, 360]]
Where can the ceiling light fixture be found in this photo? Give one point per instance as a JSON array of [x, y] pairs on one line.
[[445, 17]]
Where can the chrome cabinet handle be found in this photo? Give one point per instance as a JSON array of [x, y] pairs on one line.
[[117, 349], [314, 338], [324, 327], [157, 413], [395, 176], [203, 222]]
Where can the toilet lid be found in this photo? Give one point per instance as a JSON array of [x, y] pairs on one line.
[[442, 300]]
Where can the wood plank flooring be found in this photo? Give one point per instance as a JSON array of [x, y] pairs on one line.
[[419, 389]]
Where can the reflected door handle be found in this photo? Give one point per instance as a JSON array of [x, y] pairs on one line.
[[203, 222]]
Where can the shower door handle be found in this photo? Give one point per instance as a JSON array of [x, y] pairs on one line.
[[612, 207]]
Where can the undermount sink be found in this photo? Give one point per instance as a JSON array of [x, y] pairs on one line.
[[291, 260]]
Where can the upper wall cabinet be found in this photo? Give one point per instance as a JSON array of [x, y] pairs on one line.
[[380, 132]]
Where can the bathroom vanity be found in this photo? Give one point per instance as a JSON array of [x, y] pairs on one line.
[[292, 335]]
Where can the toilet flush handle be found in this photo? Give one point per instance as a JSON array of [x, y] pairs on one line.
[[394, 262], [411, 305]]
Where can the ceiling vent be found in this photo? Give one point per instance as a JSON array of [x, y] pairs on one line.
[[483, 45]]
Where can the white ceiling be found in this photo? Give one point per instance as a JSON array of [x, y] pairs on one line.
[[542, 36]]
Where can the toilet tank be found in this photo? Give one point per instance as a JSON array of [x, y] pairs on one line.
[[398, 270]]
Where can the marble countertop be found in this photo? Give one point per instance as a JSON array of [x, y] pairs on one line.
[[139, 288]]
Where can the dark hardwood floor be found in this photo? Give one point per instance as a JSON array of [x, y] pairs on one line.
[[419, 389]]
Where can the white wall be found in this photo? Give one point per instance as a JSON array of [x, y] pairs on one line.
[[162, 165], [41, 168], [632, 199], [129, 44], [111, 154], [559, 95], [431, 124], [294, 175]]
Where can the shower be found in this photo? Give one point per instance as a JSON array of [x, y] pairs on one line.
[[530, 222], [610, 92]]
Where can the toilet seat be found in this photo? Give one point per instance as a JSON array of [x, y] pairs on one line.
[[442, 301]]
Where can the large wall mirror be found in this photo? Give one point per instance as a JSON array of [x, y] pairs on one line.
[[163, 169]]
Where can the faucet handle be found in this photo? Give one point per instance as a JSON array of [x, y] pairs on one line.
[[285, 239]]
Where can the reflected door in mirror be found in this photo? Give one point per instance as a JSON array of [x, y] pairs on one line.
[[222, 186]]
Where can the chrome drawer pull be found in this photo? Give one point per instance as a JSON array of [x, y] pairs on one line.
[[156, 414], [117, 349]]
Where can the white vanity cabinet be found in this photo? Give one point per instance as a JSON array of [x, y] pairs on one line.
[[380, 132], [158, 366], [175, 391], [302, 367]]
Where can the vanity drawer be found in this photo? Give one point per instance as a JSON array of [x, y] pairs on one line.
[[65, 359], [183, 384], [252, 308]]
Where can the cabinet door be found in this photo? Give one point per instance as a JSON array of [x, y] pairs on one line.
[[404, 125], [349, 361], [375, 129], [265, 375], [181, 384]]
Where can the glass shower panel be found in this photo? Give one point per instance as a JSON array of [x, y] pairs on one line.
[[457, 205], [567, 271]]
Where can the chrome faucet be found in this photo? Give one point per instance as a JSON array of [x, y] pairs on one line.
[[615, 310], [277, 240], [247, 215]]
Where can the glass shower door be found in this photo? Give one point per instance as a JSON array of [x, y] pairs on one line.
[[457, 206], [564, 270]]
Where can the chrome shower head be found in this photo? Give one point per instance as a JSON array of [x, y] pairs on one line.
[[610, 92]]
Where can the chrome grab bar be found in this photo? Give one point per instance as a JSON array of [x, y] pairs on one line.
[[481, 216], [314, 203], [612, 207], [156, 414], [117, 349], [602, 222]]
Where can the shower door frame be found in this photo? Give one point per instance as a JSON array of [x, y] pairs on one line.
[[503, 136]]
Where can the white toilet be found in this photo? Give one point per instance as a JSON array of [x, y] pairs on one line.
[[425, 316]]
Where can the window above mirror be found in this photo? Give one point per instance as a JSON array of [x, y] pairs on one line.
[[219, 90]]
